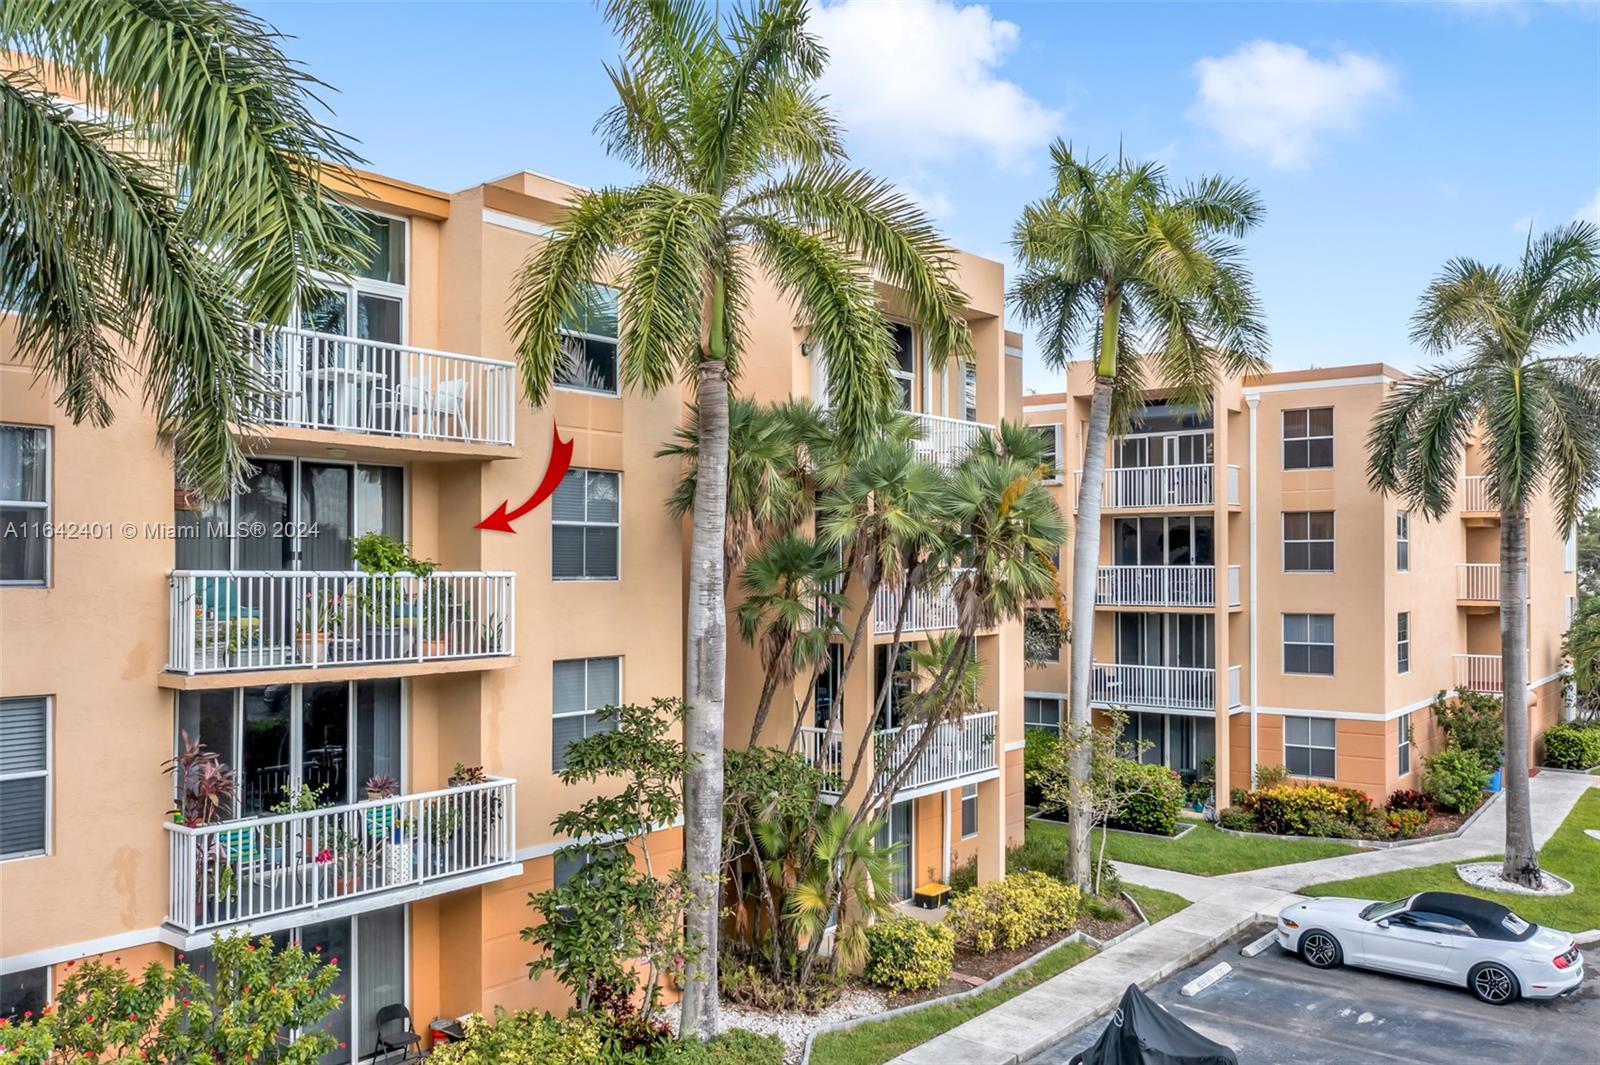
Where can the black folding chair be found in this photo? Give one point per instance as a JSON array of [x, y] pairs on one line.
[[401, 1037]]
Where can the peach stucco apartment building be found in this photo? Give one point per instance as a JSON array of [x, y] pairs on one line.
[[246, 625], [1257, 603]]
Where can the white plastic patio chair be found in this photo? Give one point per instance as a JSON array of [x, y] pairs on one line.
[[408, 400], [450, 401]]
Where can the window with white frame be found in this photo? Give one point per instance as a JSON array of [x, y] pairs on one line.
[[24, 505], [24, 777], [1041, 713], [1404, 739], [1052, 455], [969, 392], [1402, 642], [589, 343], [903, 366], [586, 517], [1308, 746], [582, 688], [1308, 541], [1308, 644], [371, 303], [969, 810], [1402, 541], [24, 994], [1308, 439]]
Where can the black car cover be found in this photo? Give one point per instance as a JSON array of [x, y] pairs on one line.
[[1142, 1033]]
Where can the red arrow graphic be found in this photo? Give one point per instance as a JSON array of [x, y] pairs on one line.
[[560, 460]]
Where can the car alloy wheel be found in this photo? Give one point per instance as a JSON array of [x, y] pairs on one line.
[[1320, 949], [1494, 985]]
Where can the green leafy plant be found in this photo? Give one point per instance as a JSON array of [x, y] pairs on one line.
[[299, 798], [1270, 776], [1039, 749], [1201, 789], [1315, 810], [378, 553], [1572, 746], [1238, 819], [1006, 914], [206, 787], [1150, 797], [1404, 823], [905, 954], [251, 1001], [1456, 779], [1473, 722]]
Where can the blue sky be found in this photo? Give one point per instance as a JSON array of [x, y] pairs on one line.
[[1384, 138]]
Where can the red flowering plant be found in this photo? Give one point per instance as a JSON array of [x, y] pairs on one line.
[[245, 1003]]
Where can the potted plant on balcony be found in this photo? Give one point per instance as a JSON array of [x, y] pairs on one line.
[[442, 621], [389, 600], [206, 790], [327, 616]]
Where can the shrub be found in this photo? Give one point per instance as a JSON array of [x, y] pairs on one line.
[[1572, 746], [527, 1037], [1456, 778], [1473, 722], [1270, 776], [1102, 909], [1038, 748], [1239, 798], [1315, 810], [739, 1046], [1404, 822], [1410, 799], [1150, 797], [964, 877], [905, 954], [1238, 819], [745, 984], [1005, 914]]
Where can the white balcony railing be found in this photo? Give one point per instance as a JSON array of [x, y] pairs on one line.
[[930, 609], [241, 871], [1174, 687], [956, 750], [1476, 494], [1151, 487], [945, 441], [1181, 586], [326, 381], [1484, 673], [1478, 581], [222, 620]]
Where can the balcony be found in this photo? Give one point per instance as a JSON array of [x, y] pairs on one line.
[[1484, 673], [930, 610], [1159, 687], [945, 441], [958, 752], [223, 621], [1478, 582], [1172, 586], [275, 871], [1477, 496], [346, 385], [1157, 487]]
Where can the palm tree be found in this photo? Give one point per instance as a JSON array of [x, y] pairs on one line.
[[185, 206], [1148, 272], [1536, 417], [790, 596], [743, 172]]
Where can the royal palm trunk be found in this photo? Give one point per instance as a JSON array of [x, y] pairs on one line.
[[1522, 858]]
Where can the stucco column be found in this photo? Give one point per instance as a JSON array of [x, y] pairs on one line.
[[1220, 608]]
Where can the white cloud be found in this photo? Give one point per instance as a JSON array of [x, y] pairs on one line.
[[922, 80], [933, 201], [1521, 224], [1590, 212], [1276, 100]]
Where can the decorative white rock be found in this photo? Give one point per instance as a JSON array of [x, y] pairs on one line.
[[1486, 875]]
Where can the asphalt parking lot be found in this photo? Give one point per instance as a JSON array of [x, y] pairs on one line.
[[1275, 1009]]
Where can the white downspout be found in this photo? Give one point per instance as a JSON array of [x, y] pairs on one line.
[[1255, 574], [944, 861]]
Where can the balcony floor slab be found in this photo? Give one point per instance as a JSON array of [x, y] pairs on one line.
[[246, 678], [378, 447]]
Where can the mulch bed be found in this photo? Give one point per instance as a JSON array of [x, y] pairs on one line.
[[1441, 823]]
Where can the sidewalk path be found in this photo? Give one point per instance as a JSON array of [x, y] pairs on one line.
[[1221, 907]]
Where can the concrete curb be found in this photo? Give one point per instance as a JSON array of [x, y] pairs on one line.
[[1378, 844], [988, 985], [1585, 939]]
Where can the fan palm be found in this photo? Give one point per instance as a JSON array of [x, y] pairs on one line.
[[176, 199], [1149, 273], [849, 882], [743, 172], [1536, 417]]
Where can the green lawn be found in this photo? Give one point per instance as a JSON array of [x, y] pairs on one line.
[[1155, 903], [881, 1041], [1569, 854], [1202, 850]]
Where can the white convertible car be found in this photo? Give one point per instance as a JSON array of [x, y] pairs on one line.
[[1437, 935]]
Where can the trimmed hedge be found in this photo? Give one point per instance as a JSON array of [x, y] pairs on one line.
[[1005, 914], [1572, 746], [533, 1037], [1456, 778], [1152, 797], [1038, 747], [905, 954], [1315, 810]]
